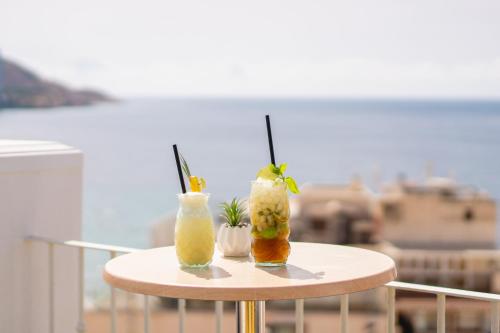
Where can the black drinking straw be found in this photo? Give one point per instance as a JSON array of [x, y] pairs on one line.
[[270, 138], [179, 169]]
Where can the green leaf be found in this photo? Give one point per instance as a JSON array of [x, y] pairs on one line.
[[267, 173], [292, 185], [283, 168], [275, 169]]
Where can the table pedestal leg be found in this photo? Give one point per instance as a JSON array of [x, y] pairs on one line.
[[250, 316]]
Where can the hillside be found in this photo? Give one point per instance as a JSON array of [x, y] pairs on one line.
[[21, 88]]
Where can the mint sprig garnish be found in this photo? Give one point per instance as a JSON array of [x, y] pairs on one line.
[[292, 185], [273, 172]]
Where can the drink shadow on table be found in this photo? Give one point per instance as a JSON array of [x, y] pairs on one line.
[[208, 273], [287, 271], [293, 272]]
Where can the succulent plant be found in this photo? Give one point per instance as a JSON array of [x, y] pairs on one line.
[[234, 213]]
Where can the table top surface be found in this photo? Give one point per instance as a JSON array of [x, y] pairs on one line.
[[313, 270]]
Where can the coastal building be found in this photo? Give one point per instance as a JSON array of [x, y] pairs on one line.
[[438, 214], [336, 214]]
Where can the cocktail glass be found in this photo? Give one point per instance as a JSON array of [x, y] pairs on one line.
[[269, 215], [194, 230]]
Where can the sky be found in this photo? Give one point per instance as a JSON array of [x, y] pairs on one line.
[[271, 48]]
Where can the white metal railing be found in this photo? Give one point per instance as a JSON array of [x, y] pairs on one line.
[[82, 246], [440, 292]]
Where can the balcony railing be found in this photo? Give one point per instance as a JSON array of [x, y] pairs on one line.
[[440, 293]]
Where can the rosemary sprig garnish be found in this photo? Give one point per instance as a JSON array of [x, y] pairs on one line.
[[185, 167]]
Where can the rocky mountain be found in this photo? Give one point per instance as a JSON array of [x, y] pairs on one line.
[[21, 88]]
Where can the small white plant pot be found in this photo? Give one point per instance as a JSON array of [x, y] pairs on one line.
[[234, 241]]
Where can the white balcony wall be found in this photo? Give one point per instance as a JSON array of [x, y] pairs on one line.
[[40, 194]]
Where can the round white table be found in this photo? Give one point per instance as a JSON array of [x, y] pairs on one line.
[[313, 270]]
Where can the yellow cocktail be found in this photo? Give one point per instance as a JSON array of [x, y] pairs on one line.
[[194, 230]]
